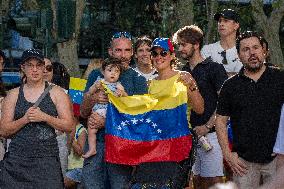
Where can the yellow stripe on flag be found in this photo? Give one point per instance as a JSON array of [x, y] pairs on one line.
[[77, 83], [170, 94]]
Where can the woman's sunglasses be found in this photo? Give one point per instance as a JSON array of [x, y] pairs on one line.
[[49, 68], [162, 53]]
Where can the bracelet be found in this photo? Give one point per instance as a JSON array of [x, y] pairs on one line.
[[194, 89]]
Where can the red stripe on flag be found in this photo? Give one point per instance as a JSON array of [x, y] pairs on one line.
[[129, 152], [76, 109]]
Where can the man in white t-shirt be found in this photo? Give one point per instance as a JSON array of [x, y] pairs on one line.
[[224, 51]]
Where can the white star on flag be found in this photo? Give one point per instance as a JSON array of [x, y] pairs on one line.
[[134, 121], [148, 120], [141, 120], [119, 127], [154, 125], [77, 95], [123, 123], [159, 131]]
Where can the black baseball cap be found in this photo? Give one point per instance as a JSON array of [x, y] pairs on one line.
[[229, 14], [32, 53]]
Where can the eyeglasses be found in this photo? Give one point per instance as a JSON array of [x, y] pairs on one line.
[[162, 53], [31, 66], [223, 54], [49, 68], [121, 34]]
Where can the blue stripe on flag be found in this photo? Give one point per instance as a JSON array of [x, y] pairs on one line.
[[148, 126], [76, 96]]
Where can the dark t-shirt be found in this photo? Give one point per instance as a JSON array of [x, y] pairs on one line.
[[210, 77], [254, 109]]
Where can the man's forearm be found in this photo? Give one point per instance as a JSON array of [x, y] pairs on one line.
[[87, 104], [222, 134], [212, 121]]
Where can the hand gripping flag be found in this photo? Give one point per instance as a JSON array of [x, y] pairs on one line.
[[149, 128], [76, 90]]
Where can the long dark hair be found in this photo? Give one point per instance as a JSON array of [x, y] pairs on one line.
[[61, 76]]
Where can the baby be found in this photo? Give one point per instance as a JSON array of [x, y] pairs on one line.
[[111, 69]]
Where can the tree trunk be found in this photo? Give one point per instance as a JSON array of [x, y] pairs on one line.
[[210, 34], [270, 27], [67, 51]]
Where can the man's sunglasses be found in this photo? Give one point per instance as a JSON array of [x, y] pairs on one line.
[[162, 53], [122, 34], [49, 68], [223, 54]]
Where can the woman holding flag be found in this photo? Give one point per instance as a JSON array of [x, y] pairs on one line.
[[182, 92]]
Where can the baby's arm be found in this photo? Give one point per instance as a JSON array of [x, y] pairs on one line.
[[120, 90], [95, 87]]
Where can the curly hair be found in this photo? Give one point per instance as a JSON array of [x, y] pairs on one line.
[[189, 34]]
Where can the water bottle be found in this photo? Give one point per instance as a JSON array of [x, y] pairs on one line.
[[205, 143]]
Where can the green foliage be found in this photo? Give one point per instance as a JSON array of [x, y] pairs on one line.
[[247, 22], [276, 4]]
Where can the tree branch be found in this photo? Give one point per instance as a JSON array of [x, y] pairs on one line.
[[258, 13], [80, 6], [209, 36]]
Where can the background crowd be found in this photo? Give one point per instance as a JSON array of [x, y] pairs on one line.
[[227, 83]]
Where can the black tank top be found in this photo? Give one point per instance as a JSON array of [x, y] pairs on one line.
[[36, 139]]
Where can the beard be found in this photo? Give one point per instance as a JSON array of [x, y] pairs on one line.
[[255, 67], [188, 55], [125, 63]]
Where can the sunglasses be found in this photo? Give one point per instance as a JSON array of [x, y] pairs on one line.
[[162, 53], [122, 34], [49, 68], [223, 54]]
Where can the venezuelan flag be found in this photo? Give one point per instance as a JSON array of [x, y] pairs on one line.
[[230, 134], [149, 128], [76, 92]]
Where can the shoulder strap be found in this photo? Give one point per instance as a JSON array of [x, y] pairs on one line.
[[47, 89]]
